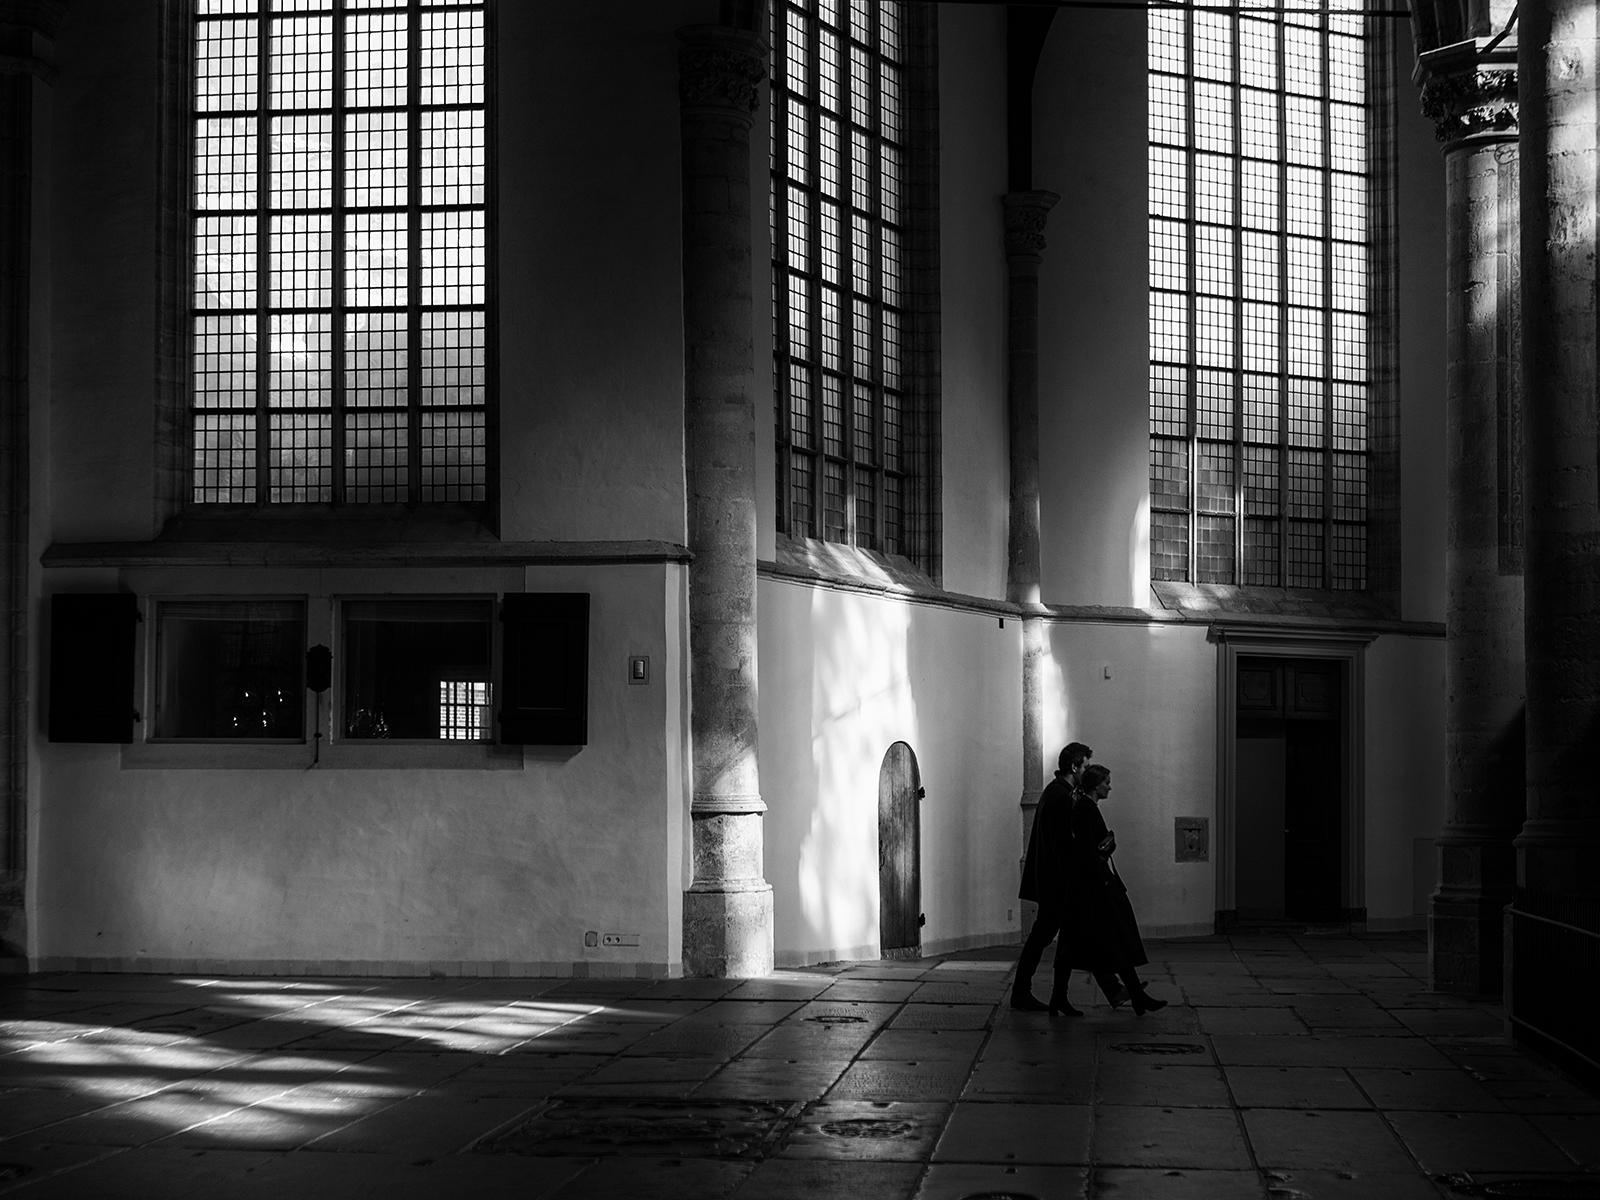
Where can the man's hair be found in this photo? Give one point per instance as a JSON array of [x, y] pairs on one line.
[[1072, 754], [1093, 776]]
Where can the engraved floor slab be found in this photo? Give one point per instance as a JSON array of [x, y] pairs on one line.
[[665, 1128], [890, 1080], [875, 1131]]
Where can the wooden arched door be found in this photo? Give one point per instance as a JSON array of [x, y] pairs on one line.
[[900, 854]]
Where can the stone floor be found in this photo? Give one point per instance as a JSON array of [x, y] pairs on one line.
[[1286, 1067]]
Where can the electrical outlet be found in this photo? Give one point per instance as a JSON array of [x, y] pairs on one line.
[[619, 939]]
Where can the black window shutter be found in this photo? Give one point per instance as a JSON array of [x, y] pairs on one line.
[[545, 669], [92, 639]]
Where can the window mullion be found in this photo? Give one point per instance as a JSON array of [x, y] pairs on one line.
[[811, 114], [413, 253], [337, 319], [1191, 312], [1237, 235], [1326, 114], [1285, 323], [264, 262], [783, 357]]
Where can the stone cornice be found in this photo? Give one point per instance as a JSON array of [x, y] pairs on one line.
[[720, 70]]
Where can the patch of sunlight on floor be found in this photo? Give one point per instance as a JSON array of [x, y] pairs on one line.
[[272, 1095]]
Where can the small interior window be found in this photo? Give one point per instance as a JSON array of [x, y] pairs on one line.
[[417, 669], [230, 669]]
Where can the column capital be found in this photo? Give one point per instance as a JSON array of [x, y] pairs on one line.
[[26, 26], [1469, 91], [720, 70], [1026, 213]]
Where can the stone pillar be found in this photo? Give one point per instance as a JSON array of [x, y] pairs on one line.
[[727, 912], [1025, 216], [1559, 848], [26, 29], [1470, 93]]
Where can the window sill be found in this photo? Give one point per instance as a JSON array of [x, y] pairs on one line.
[[335, 755], [1206, 601]]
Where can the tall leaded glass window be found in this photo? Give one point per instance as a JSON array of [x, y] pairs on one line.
[[340, 320], [1260, 257], [852, 448]]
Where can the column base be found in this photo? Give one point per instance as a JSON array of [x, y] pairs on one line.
[[1466, 942], [1477, 879], [1557, 856], [728, 934]]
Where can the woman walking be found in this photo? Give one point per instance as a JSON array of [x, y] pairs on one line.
[[1104, 932]]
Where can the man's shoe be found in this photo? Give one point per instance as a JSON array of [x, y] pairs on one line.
[[1026, 1002]]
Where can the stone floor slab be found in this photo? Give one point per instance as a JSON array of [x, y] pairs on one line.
[[1438, 1090], [887, 1079], [1197, 1138], [1009, 1133], [823, 1179], [1140, 1183], [1168, 1084], [866, 1131], [1351, 1185], [1322, 1140], [1252, 1019], [960, 1181], [1321, 1051], [1294, 1087], [1450, 1143]]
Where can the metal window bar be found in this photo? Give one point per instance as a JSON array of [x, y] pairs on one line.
[[856, 461], [1326, 524], [261, 116]]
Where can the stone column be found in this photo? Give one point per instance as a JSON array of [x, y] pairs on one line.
[[26, 30], [727, 912], [1559, 848], [1470, 93], [1025, 216]]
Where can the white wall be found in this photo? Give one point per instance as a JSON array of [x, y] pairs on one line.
[[843, 677], [389, 868], [1154, 723]]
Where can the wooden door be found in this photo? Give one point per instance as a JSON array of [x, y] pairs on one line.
[[899, 854]]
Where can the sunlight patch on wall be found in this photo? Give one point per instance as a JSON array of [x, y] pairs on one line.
[[1139, 555], [861, 704]]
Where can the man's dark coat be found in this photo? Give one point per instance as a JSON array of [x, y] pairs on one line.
[[1045, 864]]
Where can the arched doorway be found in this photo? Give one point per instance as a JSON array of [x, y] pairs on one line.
[[900, 854]]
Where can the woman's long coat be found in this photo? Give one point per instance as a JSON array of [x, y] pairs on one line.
[[1104, 935]]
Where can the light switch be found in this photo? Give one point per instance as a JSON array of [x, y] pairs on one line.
[[639, 668]]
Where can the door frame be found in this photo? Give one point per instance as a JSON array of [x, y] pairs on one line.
[[1234, 641]]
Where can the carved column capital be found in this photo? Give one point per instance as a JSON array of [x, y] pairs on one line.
[[720, 70], [1469, 93], [26, 28], [1026, 213]]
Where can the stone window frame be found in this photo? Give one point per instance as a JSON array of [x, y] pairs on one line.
[[175, 513], [919, 546], [1378, 594]]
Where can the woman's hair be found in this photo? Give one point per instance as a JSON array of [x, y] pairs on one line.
[[1093, 776]]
